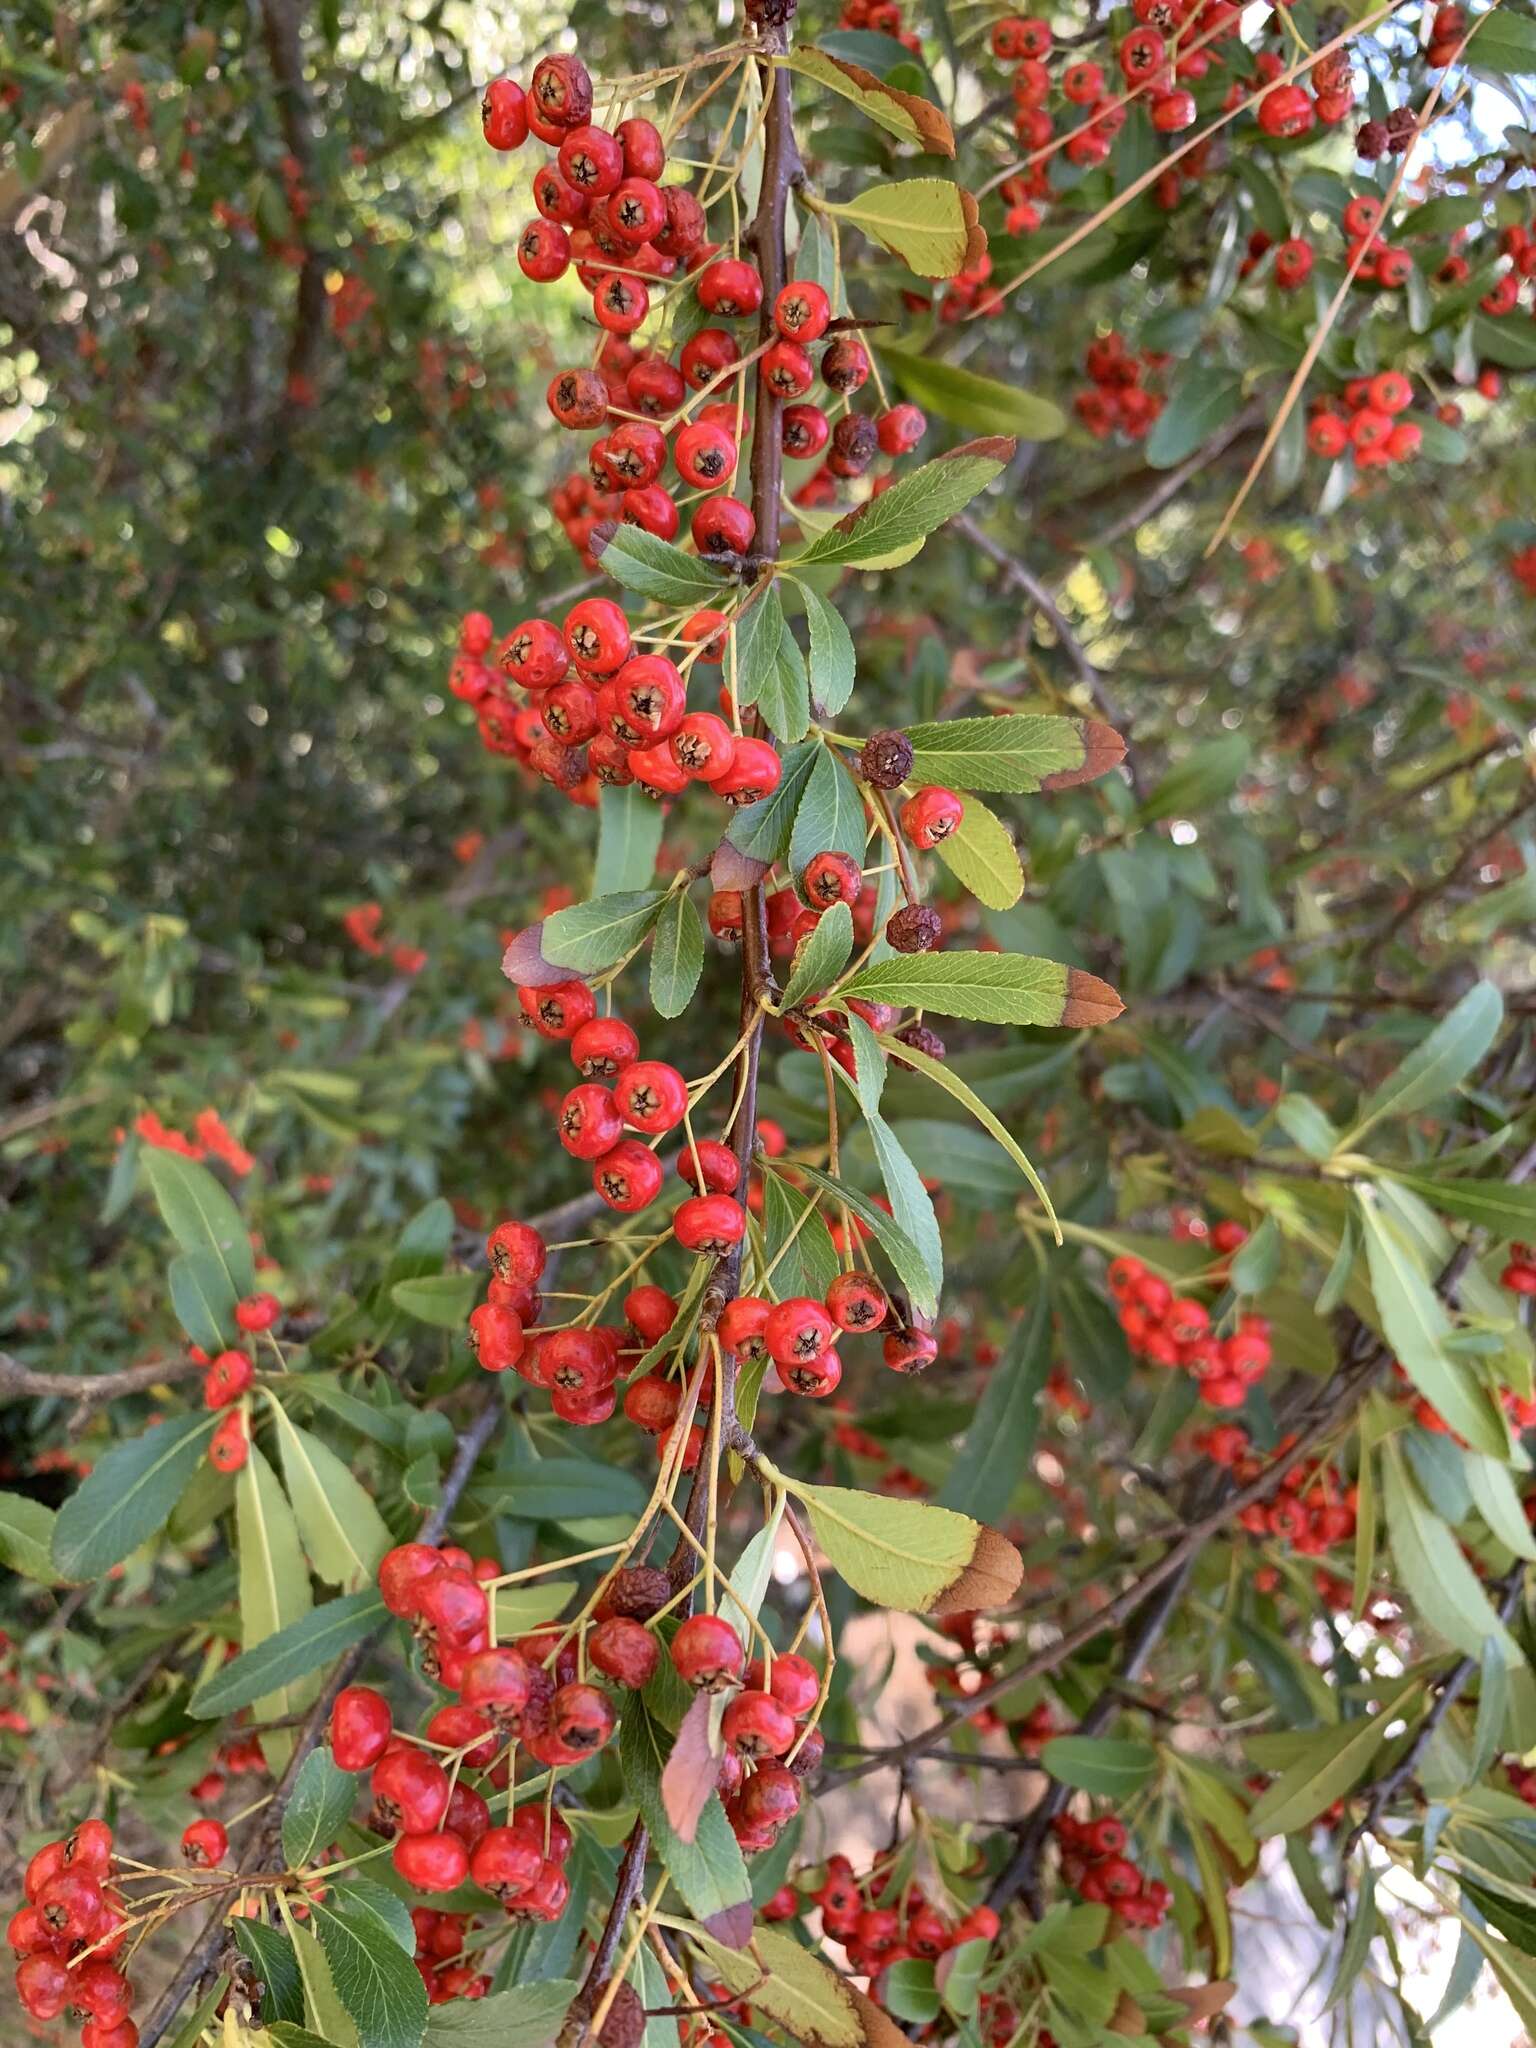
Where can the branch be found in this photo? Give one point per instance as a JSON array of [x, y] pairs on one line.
[[1428, 893], [19, 1382]]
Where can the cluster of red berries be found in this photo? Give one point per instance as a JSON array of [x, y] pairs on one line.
[[1313, 1509], [1522, 566], [441, 1958], [211, 1138], [1175, 1330], [1519, 1274], [1293, 259], [1364, 420], [598, 712], [881, 17], [531, 1694], [1116, 398], [879, 1921], [361, 925], [1094, 1863], [580, 1366], [1522, 1779], [67, 1938], [602, 207]]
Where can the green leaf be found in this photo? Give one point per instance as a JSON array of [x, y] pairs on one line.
[[26, 1538], [1497, 1500], [1306, 1126], [343, 1532], [1504, 44], [591, 936], [966, 399], [1019, 753], [997, 1447], [200, 1215], [127, 1496], [889, 530], [319, 1806], [946, 1078], [989, 988], [911, 1264], [959, 1974], [561, 1489], [821, 955], [1508, 1208], [911, 1203], [1108, 1768], [527, 2016], [784, 696], [274, 1580], [442, 1299], [982, 857], [911, 1554], [833, 664], [927, 222], [677, 956], [708, 1872], [203, 1299], [1509, 343], [762, 830], [813, 2006], [1334, 1760], [899, 113], [276, 1965], [653, 567], [811, 1263], [291, 1654], [754, 652], [1418, 1328], [1201, 779], [1432, 1571], [1256, 1264], [1438, 1064], [628, 838], [323, 2009], [830, 817], [375, 1978], [1201, 402]]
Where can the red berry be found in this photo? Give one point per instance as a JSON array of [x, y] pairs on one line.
[[718, 1164], [651, 1096], [590, 1123], [797, 1330], [628, 1177], [604, 1047], [361, 1725], [756, 1724], [705, 455], [931, 815], [707, 1652], [597, 635], [495, 1336], [624, 1650], [561, 89], [433, 1862], [730, 286], [741, 1328], [753, 774], [204, 1843], [410, 1791], [857, 1301], [516, 1252], [709, 1224], [829, 878], [591, 160], [227, 1379], [258, 1312], [900, 429], [504, 114], [723, 526]]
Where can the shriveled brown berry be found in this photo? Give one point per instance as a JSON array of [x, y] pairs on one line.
[[638, 1592], [922, 1039], [624, 2026], [916, 929], [855, 444], [885, 760]]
